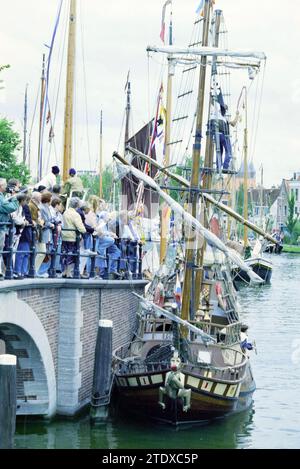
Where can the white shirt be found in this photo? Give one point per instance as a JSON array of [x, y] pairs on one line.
[[215, 112], [48, 181]]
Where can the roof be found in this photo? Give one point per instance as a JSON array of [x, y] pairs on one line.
[[251, 170], [268, 195]]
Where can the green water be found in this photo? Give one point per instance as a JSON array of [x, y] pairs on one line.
[[273, 315]]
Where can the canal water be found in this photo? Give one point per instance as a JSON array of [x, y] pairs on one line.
[[273, 315]]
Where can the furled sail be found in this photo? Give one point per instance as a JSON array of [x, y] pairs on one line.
[[209, 51], [141, 142]]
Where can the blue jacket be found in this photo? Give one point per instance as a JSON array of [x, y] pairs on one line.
[[6, 208], [26, 235]]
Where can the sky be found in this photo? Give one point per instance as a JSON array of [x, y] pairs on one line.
[[112, 39]]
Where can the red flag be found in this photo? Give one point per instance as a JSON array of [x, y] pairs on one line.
[[48, 117], [163, 23], [51, 134]]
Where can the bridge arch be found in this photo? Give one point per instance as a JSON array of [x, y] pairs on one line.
[[25, 336]]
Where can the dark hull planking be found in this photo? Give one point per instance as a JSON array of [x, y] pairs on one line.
[[264, 273], [222, 400]]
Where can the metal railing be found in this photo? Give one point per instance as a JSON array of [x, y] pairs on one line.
[[130, 257]]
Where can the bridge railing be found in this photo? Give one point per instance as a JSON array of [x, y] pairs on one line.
[[129, 262]]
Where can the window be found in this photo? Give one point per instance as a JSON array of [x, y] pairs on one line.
[[297, 192], [285, 210]]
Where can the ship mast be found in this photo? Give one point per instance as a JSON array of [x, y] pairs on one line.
[[195, 178], [101, 157], [68, 129], [25, 126], [165, 220], [42, 105], [128, 109], [261, 196], [245, 170], [208, 162]]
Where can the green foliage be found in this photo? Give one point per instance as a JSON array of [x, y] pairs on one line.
[[184, 171], [92, 182], [9, 145], [3, 67], [292, 224]]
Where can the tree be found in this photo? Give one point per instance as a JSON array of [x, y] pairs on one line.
[[91, 182], [9, 145], [292, 220]]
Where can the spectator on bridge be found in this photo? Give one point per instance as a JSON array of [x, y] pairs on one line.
[[49, 180], [22, 255], [73, 186], [86, 242], [106, 247], [7, 206], [72, 222], [45, 233]]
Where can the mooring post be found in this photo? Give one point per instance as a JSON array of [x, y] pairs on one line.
[[102, 383], [8, 400]]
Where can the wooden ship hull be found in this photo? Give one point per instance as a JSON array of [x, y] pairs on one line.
[[262, 267], [210, 399], [274, 248]]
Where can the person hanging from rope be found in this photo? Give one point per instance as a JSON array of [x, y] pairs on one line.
[[218, 129]]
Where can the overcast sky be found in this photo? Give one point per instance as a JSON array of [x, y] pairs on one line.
[[115, 34]]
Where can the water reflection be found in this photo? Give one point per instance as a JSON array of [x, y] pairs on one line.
[[231, 432]]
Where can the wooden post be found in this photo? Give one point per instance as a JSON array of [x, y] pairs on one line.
[[68, 132], [8, 400], [102, 372], [194, 198]]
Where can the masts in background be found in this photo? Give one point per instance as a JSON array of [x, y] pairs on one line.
[[231, 226], [185, 184], [101, 157], [68, 131], [245, 169], [187, 305], [42, 106], [128, 109], [261, 196], [165, 217], [25, 125]]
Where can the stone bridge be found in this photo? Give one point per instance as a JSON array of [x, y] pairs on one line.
[[51, 326]]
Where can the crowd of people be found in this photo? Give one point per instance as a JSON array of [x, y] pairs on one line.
[[56, 219]]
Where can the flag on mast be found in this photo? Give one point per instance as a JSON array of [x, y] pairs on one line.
[[200, 9], [178, 291], [163, 22]]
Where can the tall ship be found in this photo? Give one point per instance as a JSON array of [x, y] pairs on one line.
[[189, 359]]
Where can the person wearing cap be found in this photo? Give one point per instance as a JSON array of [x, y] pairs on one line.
[[73, 186], [49, 180]]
